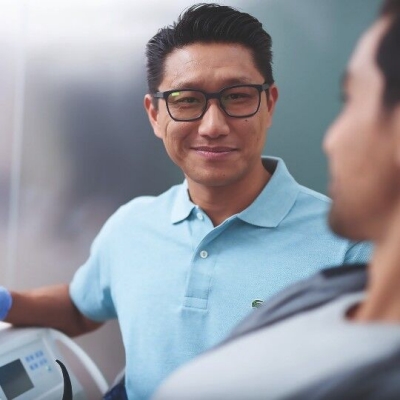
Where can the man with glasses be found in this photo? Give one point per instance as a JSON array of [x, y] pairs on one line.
[[335, 335], [181, 269]]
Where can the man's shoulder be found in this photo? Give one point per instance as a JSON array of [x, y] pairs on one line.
[[142, 209], [314, 196], [152, 203]]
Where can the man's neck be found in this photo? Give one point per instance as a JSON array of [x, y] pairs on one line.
[[221, 202], [382, 302]]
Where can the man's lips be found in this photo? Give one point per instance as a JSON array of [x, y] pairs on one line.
[[218, 149], [214, 153]]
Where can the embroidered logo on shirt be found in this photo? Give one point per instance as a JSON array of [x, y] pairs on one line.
[[256, 303]]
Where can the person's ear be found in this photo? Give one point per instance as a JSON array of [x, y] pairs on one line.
[[272, 98], [153, 114]]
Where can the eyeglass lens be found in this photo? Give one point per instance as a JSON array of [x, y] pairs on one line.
[[236, 102]]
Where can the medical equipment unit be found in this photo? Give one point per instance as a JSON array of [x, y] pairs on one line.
[[28, 367]]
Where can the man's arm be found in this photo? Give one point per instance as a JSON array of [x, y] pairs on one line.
[[49, 307]]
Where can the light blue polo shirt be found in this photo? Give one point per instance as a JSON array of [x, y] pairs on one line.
[[178, 284]]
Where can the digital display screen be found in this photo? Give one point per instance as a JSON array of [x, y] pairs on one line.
[[14, 380]]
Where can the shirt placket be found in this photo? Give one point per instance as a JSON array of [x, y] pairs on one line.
[[202, 266]]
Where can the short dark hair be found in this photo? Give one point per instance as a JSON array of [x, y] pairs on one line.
[[208, 23], [388, 54]]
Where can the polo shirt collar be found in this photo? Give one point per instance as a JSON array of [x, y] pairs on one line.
[[183, 206], [268, 209], [276, 199]]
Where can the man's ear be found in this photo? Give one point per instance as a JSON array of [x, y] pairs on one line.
[[272, 98], [152, 113], [273, 95]]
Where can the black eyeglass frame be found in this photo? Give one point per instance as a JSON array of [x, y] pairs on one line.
[[215, 95]]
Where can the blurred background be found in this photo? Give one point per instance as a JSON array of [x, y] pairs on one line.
[[75, 142]]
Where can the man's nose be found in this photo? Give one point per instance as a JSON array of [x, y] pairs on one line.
[[214, 121]]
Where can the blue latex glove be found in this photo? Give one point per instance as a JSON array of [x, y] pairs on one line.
[[5, 302]]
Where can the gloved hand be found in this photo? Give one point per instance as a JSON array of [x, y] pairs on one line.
[[5, 302]]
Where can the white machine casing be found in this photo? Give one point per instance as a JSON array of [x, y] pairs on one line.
[[28, 368]]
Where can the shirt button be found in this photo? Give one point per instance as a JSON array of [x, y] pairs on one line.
[[200, 216], [203, 254]]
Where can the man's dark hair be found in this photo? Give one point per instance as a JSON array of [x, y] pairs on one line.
[[388, 54], [209, 23]]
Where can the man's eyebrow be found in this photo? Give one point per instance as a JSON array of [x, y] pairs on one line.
[[182, 84]]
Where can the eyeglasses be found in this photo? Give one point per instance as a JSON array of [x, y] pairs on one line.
[[238, 101]]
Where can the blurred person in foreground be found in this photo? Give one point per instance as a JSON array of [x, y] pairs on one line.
[[335, 335], [181, 269]]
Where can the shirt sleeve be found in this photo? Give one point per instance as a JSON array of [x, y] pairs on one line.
[[90, 289]]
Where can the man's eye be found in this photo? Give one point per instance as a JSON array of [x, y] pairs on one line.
[[189, 100], [236, 96]]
